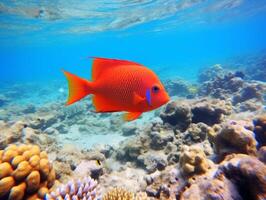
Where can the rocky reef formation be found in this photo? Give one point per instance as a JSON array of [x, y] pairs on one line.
[[260, 130], [234, 137], [239, 176], [244, 95], [181, 88], [208, 111], [193, 161], [25, 173]]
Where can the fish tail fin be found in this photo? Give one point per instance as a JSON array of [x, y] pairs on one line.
[[78, 88]]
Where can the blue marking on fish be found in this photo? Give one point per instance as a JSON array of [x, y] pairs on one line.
[[148, 96]]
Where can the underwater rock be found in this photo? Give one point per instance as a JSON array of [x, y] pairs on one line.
[[197, 133], [51, 131], [43, 122], [159, 140], [251, 105], [260, 130], [193, 161], [262, 154], [130, 150], [129, 129], [209, 187], [248, 173], [255, 67], [210, 111], [178, 115], [10, 133], [235, 138], [68, 158], [176, 87], [129, 177], [222, 87], [152, 162], [250, 91], [210, 73], [87, 188], [232, 87], [3, 100], [162, 184], [92, 168], [25, 171], [29, 109]]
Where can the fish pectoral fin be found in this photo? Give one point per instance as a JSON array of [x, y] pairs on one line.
[[137, 98], [131, 116]]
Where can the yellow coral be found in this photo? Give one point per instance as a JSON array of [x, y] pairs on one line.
[[25, 173], [193, 161], [118, 194]]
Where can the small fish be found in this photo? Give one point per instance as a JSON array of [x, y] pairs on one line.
[[119, 85], [98, 162]]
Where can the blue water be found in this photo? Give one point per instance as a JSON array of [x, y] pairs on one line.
[[178, 43]]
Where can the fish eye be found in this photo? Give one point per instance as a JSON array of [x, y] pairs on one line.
[[155, 89]]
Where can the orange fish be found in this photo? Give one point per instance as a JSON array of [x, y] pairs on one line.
[[119, 85]]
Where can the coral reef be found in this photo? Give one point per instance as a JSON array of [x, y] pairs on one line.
[[193, 161], [248, 173], [255, 66], [209, 187], [208, 111], [210, 73], [231, 86], [85, 189], [25, 172], [20, 133], [260, 130], [192, 148], [211, 111], [118, 193], [239, 176], [235, 138], [177, 114], [178, 87]]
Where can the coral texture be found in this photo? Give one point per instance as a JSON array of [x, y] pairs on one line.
[[117, 194], [235, 138], [25, 173], [177, 114], [85, 189], [210, 111], [260, 130], [238, 177], [248, 173], [193, 161]]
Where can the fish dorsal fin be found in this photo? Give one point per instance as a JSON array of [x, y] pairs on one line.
[[101, 64]]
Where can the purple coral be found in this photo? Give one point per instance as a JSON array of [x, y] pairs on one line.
[[85, 189]]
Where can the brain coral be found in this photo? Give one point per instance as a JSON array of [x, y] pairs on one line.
[[118, 194], [25, 173], [85, 189], [193, 161]]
